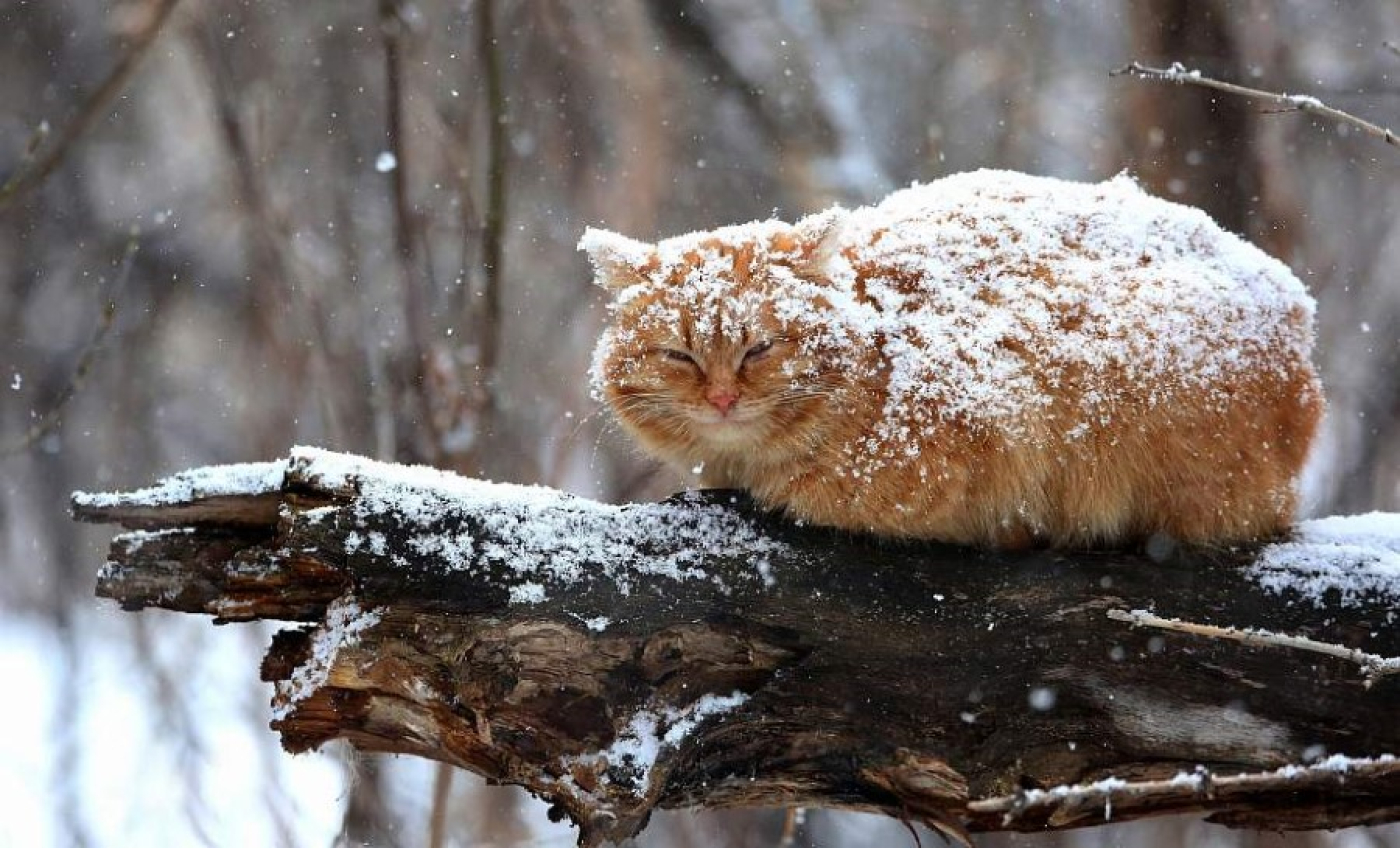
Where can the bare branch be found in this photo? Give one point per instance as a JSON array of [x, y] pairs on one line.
[[1106, 793], [1285, 102], [31, 149], [86, 360], [27, 178]]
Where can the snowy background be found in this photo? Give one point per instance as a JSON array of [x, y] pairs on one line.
[[306, 233]]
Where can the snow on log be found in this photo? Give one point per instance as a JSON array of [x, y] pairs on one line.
[[699, 653]]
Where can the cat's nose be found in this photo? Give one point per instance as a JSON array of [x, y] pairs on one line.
[[721, 398]]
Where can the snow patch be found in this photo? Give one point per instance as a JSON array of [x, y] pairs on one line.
[[1056, 794], [527, 593], [608, 249], [318, 514], [635, 750], [1341, 764], [1193, 779], [1336, 764], [1355, 556], [247, 478], [135, 540], [597, 623], [453, 550], [345, 622], [548, 537]]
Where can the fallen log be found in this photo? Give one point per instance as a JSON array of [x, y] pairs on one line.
[[700, 653]]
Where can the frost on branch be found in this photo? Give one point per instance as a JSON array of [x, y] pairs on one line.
[[618, 659]]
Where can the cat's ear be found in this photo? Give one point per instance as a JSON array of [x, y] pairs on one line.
[[618, 261], [818, 239]]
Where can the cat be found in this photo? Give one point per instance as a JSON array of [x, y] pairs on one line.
[[990, 359]]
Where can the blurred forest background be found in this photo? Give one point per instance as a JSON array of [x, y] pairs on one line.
[[353, 225]]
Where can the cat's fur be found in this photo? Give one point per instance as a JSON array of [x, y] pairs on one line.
[[992, 359]]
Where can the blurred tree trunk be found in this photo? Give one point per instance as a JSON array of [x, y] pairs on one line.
[[368, 818], [1191, 146]]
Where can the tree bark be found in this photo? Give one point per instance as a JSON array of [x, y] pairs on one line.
[[702, 654]]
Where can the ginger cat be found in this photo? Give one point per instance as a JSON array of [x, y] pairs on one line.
[[991, 359]]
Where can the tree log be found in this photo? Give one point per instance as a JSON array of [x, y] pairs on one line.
[[702, 654]]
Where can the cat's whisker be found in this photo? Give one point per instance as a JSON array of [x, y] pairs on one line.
[[583, 421]]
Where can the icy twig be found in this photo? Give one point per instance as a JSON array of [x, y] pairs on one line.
[[1373, 666], [1285, 102], [1198, 782]]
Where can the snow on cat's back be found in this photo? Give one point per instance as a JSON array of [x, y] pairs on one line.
[[991, 358]]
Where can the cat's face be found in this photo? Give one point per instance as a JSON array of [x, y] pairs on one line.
[[703, 361]]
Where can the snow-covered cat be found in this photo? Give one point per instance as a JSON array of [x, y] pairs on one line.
[[991, 358]]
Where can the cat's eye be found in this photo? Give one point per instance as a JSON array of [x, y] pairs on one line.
[[678, 355], [758, 350]]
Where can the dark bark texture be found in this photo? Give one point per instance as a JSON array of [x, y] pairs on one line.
[[967, 690]]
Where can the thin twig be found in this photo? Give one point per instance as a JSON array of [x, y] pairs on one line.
[[1200, 783], [1372, 665], [1392, 47], [36, 140], [86, 360], [1286, 102], [27, 177]]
